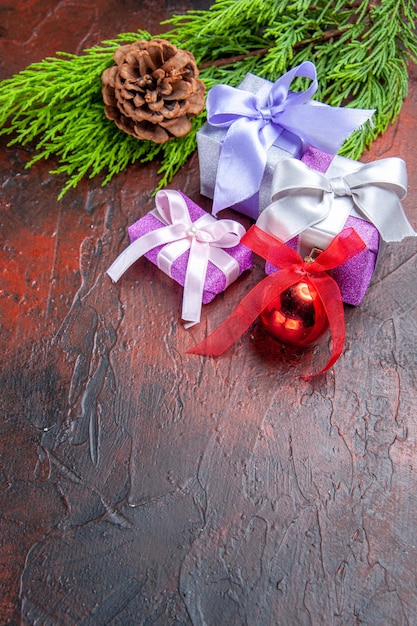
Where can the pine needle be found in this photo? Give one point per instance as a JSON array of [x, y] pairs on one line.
[[361, 51]]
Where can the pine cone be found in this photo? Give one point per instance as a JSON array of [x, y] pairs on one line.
[[153, 90]]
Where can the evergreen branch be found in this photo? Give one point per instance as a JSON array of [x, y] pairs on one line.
[[330, 34], [361, 50]]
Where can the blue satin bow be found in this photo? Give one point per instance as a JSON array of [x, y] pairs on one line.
[[255, 121]]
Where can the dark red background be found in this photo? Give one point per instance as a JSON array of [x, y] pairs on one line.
[[142, 485]]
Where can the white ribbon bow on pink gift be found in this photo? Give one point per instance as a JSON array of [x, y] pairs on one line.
[[204, 238]]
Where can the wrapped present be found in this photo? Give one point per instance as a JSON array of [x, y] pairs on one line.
[[253, 127], [309, 209], [283, 299], [188, 244]]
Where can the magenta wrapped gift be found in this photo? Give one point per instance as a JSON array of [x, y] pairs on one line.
[[253, 127], [197, 250], [309, 209], [354, 276]]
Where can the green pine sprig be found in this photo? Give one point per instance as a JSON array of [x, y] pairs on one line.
[[361, 50], [56, 105]]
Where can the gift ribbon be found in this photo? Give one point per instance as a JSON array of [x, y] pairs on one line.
[[293, 269], [255, 121], [302, 197], [204, 238]]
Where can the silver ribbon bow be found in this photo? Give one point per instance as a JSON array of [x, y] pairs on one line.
[[303, 198]]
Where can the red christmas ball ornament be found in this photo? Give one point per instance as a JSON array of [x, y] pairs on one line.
[[297, 316]]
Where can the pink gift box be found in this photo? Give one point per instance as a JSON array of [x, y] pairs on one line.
[[215, 281], [316, 159], [354, 276]]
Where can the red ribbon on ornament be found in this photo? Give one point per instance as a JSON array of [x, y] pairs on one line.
[[292, 270]]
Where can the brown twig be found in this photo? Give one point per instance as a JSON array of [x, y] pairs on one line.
[[328, 34], [235, 59]]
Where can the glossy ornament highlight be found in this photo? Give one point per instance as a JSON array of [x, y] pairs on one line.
[[297, 317]]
